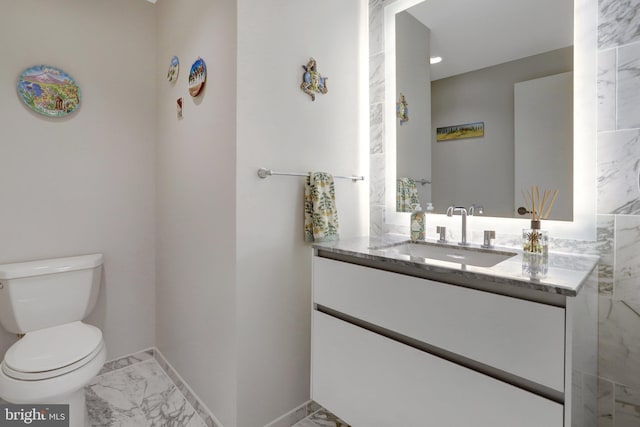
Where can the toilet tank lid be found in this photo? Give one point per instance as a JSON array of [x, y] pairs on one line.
[[49, 266]]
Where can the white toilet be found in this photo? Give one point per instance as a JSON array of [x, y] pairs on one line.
[[58, 355]]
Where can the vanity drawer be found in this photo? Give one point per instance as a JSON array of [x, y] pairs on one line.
[[372, 381], [519, 337]]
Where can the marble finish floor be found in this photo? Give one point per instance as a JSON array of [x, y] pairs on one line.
[[139, 394], [321, 418], [143, 390]]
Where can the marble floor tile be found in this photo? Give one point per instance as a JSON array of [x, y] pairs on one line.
[[325, 418], [305, 423], [141, 394], [297, 416], [321, 418], [126, 361]]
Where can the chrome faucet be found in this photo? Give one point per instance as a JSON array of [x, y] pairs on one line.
[[451, 210]]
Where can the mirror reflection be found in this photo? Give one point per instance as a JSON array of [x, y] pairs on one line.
[[485, 104]]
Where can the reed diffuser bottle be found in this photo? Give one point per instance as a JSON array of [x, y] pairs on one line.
[[534, 239]]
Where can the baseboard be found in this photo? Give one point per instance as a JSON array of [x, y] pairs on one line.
[[204, 412], [295, 415]]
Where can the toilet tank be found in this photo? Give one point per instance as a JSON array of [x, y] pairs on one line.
[[45, 293]]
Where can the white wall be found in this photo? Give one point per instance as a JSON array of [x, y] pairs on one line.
[[84, 183], [484, 95], [279, 127], [196, 201]]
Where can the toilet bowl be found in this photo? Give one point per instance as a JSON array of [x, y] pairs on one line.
[[52, 366], [58, 354]]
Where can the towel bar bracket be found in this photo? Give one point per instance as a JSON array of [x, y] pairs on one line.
[[263, 172]]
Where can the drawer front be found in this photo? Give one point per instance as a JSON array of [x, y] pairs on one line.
[[520, 337], [371, 381]]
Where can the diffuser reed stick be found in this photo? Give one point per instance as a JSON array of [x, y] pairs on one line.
[[546, 214], [539, 207]]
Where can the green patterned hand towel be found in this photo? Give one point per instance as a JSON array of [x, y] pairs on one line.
[[320, 213], [407, 195]]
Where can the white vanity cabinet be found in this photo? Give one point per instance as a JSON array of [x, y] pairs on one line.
[[391, 349]]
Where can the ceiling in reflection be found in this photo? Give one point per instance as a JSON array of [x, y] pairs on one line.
[[484, 33]]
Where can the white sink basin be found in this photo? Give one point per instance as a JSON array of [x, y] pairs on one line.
[[457, 254]]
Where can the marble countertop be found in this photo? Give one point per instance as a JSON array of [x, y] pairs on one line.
[[559, 273]]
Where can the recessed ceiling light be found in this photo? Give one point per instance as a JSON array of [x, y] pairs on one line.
[[435, 60]]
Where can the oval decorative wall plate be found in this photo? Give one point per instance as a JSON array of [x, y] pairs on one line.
[[174, 69], [49, 91], [197, 77]]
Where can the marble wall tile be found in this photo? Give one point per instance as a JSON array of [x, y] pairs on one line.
[[376, 26], [618, 23], [607, 90], [397, 229], [376, 78], [627, 271], [376, 220], [377, 171], [629, 86], [619, 342], [589, 401], [618, 168], [577, 389], [376, 133], [605, 403], [605, 248], [627, 407]]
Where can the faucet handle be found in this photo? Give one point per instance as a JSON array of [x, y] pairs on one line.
[[475, 210], [488, 236], [443, 234]]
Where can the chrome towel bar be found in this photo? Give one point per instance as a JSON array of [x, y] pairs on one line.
[[264, 173]]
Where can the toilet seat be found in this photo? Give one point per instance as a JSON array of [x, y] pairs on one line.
[[51, 352]]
